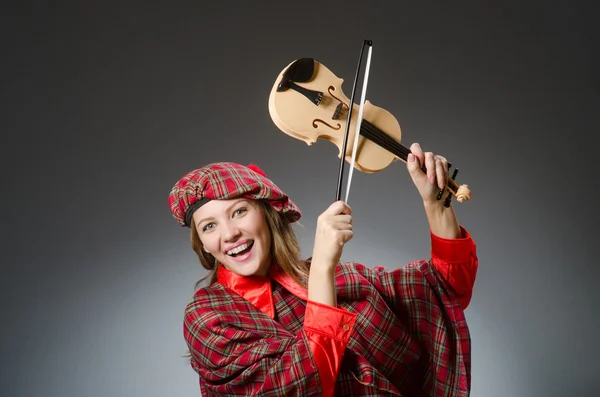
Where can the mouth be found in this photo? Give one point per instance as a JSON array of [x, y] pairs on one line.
[[240, 250]]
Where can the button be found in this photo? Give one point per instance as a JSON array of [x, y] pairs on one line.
[[345, 327]]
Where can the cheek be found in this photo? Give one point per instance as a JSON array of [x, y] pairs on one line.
[[266, 236], [210, 245]]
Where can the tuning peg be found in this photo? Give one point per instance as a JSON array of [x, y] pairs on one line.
[[441, 192], [449, 198]]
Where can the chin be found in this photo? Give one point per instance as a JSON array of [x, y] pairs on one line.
[[245, 271], [250, 268]]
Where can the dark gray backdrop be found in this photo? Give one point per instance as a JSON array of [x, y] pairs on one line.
[[106, 106]]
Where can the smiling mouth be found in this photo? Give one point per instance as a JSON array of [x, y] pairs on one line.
[[240, 250]]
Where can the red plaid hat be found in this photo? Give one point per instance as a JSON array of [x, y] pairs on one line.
[[226, 180]]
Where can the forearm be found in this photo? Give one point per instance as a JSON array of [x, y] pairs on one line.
[[442, 221], [321, 286]]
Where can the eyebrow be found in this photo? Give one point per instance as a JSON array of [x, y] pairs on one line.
[[240, 200]]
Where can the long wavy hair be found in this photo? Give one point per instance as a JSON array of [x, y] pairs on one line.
[[285, 248], [285, 251]]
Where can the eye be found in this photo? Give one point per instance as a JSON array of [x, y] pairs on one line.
[[207, 226], [240, 211]]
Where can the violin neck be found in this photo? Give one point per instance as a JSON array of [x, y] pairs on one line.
[[378, 137], [375, 135]]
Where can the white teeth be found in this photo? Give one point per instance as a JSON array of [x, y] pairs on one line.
[[238, 249]]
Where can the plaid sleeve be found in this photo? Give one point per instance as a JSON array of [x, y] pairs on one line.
[[419, 297], [328, 330], [456, 261], [237, 354]]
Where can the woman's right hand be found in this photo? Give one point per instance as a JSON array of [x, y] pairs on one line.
[[334, 230]]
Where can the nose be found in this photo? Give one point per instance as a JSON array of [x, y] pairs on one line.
[[230, 232]]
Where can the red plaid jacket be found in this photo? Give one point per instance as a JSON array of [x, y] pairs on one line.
[[400, 332]]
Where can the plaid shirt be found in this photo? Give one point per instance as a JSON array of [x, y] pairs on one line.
[[400, 332]]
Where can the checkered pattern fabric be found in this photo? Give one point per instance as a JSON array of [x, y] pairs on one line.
[[410, 339], [226, 180]]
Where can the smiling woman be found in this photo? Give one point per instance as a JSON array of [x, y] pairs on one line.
[[235, 233], [283, 247], [270, 322]]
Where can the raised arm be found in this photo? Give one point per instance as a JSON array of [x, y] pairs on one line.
[[453, 252]]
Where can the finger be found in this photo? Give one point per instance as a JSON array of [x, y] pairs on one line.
[[344, 218], [446, 173], [440, 173], [416, 150], [334, 221], [339, 207], [343, 236], [430, 165], [415, 169], [342, 225], [413, 165], [348, 234], [444, 162]]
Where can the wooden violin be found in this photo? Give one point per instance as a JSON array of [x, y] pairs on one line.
[[306, 102]]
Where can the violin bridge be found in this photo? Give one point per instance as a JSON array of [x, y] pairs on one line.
[[338, 111]]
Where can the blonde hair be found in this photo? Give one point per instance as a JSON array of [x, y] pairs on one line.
[[285, 249]]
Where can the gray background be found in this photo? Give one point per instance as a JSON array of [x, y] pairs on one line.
[[105, 106]]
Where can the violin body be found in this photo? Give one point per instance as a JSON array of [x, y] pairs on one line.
[[307, 102], [301, 118]]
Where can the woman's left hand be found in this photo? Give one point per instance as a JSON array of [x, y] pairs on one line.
[[428, 184]]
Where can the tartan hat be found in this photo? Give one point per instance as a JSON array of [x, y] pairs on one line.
[[226, 180]]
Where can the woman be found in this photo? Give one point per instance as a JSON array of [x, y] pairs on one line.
[[270, 323]]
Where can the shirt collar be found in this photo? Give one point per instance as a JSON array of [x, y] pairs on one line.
[[258, 289]]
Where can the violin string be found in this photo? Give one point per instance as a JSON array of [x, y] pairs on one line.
[[385, 141], [359, 122], [400, 150], [375, 135]]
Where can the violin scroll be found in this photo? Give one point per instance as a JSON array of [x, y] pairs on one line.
[[463, 193]]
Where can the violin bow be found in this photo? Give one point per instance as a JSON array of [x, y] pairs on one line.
[[359, 120], [358, 124]]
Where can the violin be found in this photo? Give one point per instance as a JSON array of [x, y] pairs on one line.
[[307, 103]]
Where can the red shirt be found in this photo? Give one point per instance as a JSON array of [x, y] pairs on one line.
[[399, 332]]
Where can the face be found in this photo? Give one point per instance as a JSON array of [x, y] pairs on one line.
[[236, 233]]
